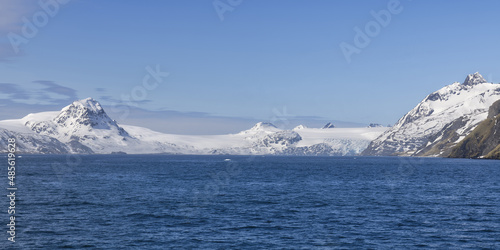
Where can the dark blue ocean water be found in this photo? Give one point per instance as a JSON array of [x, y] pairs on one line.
[[172, 202]]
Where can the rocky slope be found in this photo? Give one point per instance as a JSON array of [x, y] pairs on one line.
[[484, 140], [32, 143]]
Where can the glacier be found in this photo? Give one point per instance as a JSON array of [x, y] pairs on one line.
[[83, 127]]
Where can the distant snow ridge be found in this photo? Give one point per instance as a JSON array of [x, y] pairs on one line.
[[300, 127], [264, 127], [83, 127], [329, 125], [375, 125], [439, 121]]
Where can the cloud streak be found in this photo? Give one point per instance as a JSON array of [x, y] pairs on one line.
[[51, 87], [14, 91], [40, 93]]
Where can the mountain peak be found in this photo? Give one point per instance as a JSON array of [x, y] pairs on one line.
[[81, 120], [474, 79], [329, 125], [300, 127], [263, 126], [88, 103], [84, 112]]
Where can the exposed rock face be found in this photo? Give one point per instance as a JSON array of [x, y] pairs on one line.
[[494, 154], [375, 125], [474, 79], [494, 109], [32, 143], [484, 140], [283, 138], [445, 139]]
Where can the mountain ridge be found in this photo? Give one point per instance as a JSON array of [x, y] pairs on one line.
[[83, 127]]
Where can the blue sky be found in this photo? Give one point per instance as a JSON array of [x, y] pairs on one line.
[[262, 57]]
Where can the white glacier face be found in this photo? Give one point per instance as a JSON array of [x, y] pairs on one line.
[[84, 127], [442, 119]]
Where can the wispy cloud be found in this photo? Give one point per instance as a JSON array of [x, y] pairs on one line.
[[39, 92], [14, 91], [53, 88], [116, 101]]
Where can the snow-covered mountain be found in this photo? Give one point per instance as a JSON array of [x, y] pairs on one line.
[[81, 127], [84, 127], [440, 121]]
